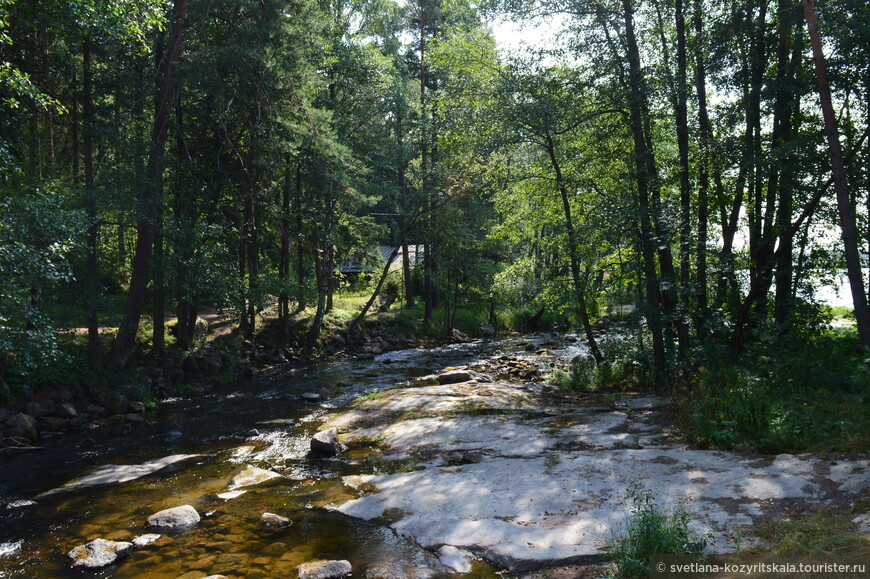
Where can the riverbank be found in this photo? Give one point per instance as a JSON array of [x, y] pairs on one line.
[[457, 455], [81, 400]]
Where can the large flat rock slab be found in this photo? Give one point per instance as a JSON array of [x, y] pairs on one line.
[[527, 489]]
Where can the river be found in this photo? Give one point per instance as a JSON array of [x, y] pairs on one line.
[[37, 531]]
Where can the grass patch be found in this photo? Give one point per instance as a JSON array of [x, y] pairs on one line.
[[651, 529], [821, 535]]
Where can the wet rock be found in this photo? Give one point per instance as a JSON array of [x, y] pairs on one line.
[[275, 549], [216, 577], [137, 407], [459, 336], [95, 411], [324, 570], [144, 540], [252, 476], [133, 417], [115, 402], [455, 377], [175, 519], [310, 397], [54, 423], [40, 408], [230, 495], [66, 410], [99, 553], [273, 520], [326, 443], [231, 563], [487, 330], [252, 433], [456, 559], [324, 394], [21, 425], [203, 564]]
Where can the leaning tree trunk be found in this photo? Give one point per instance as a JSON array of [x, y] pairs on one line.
[[573, 253], [149, 195], [841, 187]]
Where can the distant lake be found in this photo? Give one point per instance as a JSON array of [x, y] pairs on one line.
[[838, 294]]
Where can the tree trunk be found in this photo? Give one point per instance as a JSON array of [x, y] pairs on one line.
[[706, 138], [643, 177], [250, 249], [74, 131], [841, 187], [573, 252], [759, 243], [92, 283], [359, 318], [300, 246], [781, 184], [149, 195], [682, 122], [284, 265]]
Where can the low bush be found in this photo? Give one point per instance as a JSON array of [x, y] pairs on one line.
[[791, 397], [626, 366]]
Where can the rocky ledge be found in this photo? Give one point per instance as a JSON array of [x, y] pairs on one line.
[[526, 478]]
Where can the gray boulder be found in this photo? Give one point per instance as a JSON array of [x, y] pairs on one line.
[[487, 330], [99, 553], [455, 377], [460, 336], [326, 443], [22, 425], [175, 519], [324, 570]]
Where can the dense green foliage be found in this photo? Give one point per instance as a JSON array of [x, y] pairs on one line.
[[672, 156]]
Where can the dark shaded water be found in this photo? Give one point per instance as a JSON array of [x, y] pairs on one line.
[[36, 532]]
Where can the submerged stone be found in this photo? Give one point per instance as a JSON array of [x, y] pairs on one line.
[[273, 520], [99, 553], [324, 570], [144, 540], [252, 476]]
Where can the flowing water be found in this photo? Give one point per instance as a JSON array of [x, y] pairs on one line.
[[37, 531]]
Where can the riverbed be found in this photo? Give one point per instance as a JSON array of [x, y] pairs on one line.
[[267, 419]]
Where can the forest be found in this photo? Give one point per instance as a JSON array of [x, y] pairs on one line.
[[697, 170]]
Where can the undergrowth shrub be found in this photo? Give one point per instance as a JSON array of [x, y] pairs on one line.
[[793, 395], [626, 366], [650, 529]]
